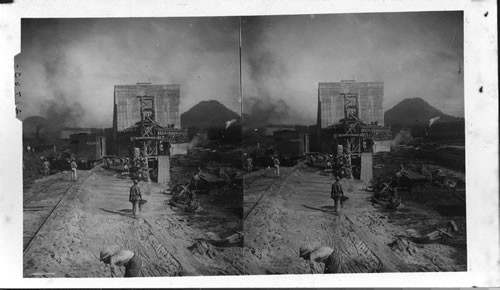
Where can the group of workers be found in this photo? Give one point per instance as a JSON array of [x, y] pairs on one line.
[[72, 165], [273, 160], [339, 165]]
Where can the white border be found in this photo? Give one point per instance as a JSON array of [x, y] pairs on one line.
[[480, 69]]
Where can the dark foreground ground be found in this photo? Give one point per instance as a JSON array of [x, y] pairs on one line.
[[296, 209], [96, 214]]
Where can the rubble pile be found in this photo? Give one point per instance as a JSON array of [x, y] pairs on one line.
[[185, 198]]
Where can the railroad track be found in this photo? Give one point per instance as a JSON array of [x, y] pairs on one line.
[[43, 189], [268, 190], [39, 208]]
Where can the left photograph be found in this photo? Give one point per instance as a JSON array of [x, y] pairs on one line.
[[132, 152]]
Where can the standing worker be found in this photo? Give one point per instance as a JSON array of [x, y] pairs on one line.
[[73, 166], [332, 259], [196, 178], [46, 167], [249, 164], [128, 259], [276, 163], [337, 194], [135, 196]]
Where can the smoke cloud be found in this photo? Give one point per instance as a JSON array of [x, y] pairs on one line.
[[414, 54], [230, 122], [60, 114], [403, 137], [75, 63], [433, 120], [264, 111]]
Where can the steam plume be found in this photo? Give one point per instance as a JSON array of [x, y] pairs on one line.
[[433, 120]]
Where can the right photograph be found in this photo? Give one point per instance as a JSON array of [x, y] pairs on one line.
[[354, 143]]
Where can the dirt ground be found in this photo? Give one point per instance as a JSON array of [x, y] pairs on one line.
[[98, 215], [279, 215], [298, 210]]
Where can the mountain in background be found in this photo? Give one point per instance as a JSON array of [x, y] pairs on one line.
[[207, 114], [415, 112]]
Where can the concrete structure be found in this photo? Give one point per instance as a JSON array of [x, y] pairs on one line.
[[127, 107], [127, 111], [366, 174], [163, 169], [331, 102]]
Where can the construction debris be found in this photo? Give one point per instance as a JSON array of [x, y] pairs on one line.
[[231, 240], [185, 198], [403, 245]]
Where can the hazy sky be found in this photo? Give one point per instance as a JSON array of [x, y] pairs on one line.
[[75, 63], [414, 54]]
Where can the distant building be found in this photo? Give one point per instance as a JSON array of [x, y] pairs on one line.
[[331, 97], [66, 133], [271, 129], [291, 144]]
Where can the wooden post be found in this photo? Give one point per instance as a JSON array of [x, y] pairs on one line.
[[163, 169]]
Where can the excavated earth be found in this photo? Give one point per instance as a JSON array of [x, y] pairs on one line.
[[279, 215], [97, 214], [297, 210]]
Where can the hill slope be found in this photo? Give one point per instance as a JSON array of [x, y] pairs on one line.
[[207, 114], [415, 112]]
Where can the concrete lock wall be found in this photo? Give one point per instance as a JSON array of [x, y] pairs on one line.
[[331, 101], [127, 107]]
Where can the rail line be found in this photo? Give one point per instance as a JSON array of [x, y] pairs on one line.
[[39, 208], [43, 189], [268, 190]]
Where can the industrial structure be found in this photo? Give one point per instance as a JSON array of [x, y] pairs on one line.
[[365, 97], [146, 124], [350, 121]]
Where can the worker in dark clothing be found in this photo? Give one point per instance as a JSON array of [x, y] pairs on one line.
[[135, 196], [332, 259], [128, 259], [398, 176], [337, 194], [196, 178]]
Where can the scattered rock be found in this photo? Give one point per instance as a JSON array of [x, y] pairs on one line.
[[403, 245], [203, 248]]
